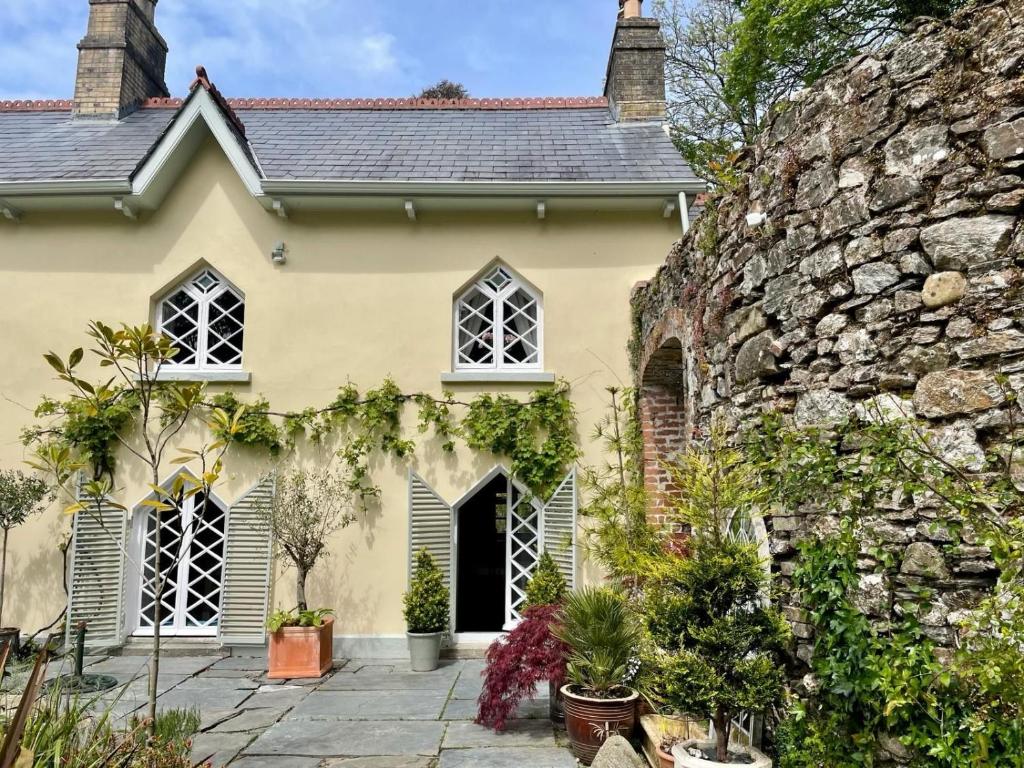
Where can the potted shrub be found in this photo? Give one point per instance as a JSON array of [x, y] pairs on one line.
[[21, 496], [602, 636], [427, 606], [306, 508], [718, 641]]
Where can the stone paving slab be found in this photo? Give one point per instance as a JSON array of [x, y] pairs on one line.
[[277, 762], [518, 733], [466, 709], [201, 698], [219, 748], [248, 720], [507, 757], [371, 705], [276, 696], [340, 738], [396, 681], [399, 761]]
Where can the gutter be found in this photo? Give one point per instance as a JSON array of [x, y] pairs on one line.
[[527, 189], [59, 187]]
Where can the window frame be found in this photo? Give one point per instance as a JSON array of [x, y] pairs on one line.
[[204, 301], [498, 297]]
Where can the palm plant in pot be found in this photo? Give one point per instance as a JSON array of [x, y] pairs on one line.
[[427, 607], [602, 636], [306, 509], [719, 642]]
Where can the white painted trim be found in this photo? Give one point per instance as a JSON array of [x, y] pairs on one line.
[[200, 105], [125, 208], [280, 209], [213, 377], [485, 188], [59, 187], [542, 210], [410, 210], [475, 639], [497, 377]]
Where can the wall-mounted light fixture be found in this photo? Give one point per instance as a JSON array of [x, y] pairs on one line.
[[280, 254]]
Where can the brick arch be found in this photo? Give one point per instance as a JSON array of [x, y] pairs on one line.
[[664, 404]]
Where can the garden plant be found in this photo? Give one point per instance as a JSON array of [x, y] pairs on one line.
[[427, 608], [21, 496]]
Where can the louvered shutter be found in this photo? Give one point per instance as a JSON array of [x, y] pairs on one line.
[[560, 528], [96, 576], [430, 526], [243, 613]]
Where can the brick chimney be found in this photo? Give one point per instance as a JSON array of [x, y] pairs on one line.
[[121, 59], [635, 83]]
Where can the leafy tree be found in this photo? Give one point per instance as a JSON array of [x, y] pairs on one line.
[[21, 496], [616, 530], [718, 641], [798, 40], [136, 355], [445, 89], [307, 508]]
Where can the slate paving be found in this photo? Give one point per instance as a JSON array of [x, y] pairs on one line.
[[364, 714]]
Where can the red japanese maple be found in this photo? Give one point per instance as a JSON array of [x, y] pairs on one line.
[[528, 655]]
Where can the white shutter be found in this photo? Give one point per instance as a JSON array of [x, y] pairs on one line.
[[430, 526], [97, 574], [243, 613], [560, 528]]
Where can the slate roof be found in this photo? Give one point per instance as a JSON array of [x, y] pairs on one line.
[[361, 144]]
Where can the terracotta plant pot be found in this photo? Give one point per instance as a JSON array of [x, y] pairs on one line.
[[686, 760], [591, 722], [297, 652]]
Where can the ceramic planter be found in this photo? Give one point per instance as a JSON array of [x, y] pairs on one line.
[[590, 722], [686, 760], [301, 652], [657, 727], [424, 651]]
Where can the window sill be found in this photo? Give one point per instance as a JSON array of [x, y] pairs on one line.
[[210, 377], [497, 377]]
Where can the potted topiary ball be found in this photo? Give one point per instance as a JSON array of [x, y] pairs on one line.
[[427, 607], [603, 638]]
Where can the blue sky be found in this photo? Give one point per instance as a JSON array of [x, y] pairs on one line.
[[340, 48]]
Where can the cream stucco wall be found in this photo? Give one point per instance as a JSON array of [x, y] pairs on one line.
[[363, 295]]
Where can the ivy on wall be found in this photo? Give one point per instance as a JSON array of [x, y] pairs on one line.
[[538, 434]]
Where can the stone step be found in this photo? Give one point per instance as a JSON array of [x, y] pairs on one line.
[[143, 646]]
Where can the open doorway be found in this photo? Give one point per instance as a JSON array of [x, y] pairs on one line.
[[482, 524]]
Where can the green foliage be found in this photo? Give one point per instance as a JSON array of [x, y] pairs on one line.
[[617, 533], [538, 435], [547, 585], [781, 38], [445, 89], [718, 643], [90, 429], [959, 710], [255, 428], [21, 496], [427, 603], [603, 637], [297, 617]]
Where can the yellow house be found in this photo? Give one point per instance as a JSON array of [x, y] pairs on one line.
[[290, 246]]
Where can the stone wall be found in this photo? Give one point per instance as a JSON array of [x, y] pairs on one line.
[[872, 253]]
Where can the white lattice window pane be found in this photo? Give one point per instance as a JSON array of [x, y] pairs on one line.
[[206, 282], [498, 279], [475, 338], [225, 326], [524, 550], [180, 323], [165, 563], [205, 566], [521, 329]]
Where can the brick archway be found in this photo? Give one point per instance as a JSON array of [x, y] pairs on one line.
[[664, 411]]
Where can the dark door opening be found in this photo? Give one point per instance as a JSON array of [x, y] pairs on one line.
[[480, 586]]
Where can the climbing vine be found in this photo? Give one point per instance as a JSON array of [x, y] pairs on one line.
[[884, 690], [538, 434]]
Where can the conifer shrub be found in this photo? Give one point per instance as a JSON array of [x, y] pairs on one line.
[[547, 585], [427, 601]]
